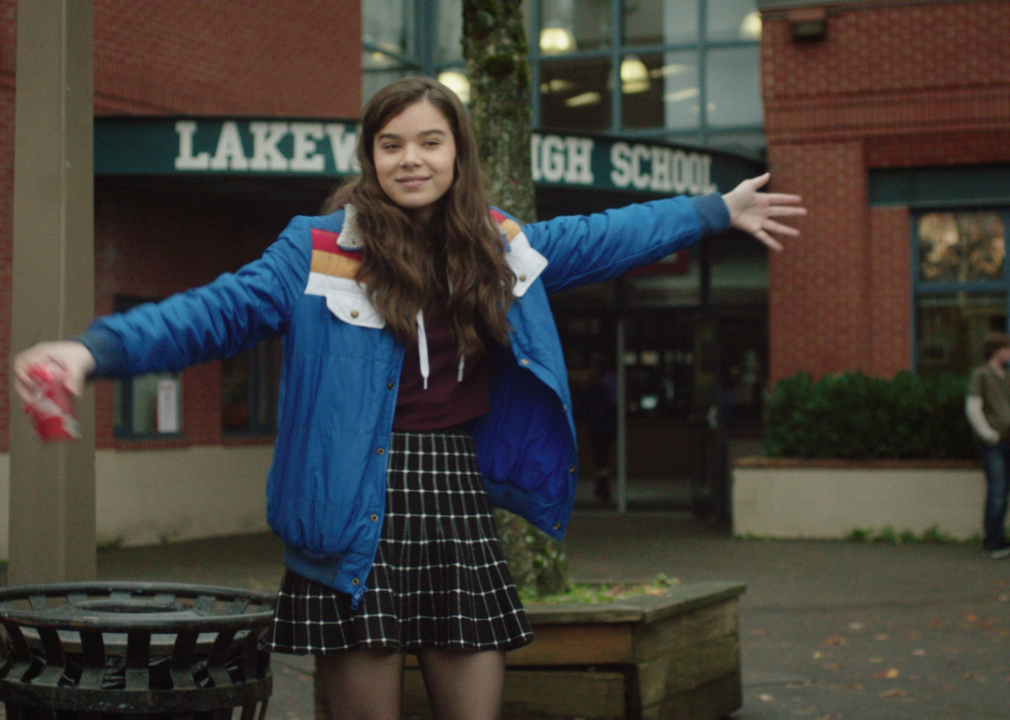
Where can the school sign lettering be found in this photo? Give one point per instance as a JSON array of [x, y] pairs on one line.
[[320, 148]]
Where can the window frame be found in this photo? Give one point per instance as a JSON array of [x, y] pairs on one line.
[[939, 288], [124, 408], [272, 352]]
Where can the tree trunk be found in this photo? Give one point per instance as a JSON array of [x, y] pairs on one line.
[[494, 45]]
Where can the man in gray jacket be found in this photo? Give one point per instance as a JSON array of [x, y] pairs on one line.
[[988, 409]]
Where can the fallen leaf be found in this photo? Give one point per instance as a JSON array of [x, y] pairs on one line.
[[918, 652], [835, 640], [893, 693], [882, 637], [889, 673], [765, 698], [655, 591], [818, 654], [968, 676], [971, 617], [833, 666], [855, 626]]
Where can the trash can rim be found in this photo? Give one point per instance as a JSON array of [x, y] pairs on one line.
[[138, 619]]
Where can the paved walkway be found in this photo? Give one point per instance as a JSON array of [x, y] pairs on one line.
[[829, 630]]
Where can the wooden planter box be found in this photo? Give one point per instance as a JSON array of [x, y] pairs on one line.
[[828, 499], [650, 657]]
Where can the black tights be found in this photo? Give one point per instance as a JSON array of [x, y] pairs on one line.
[[368, 684]]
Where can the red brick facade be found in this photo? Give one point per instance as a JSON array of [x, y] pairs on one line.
[[186, 57], [906, 84]]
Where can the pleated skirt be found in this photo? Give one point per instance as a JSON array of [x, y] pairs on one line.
[[439, 579]]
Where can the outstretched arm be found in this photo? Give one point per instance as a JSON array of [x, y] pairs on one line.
[[754, 212]]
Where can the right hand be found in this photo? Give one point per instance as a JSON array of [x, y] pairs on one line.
[[76, 360], [754, 212]]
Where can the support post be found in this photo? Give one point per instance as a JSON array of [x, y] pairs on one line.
[[52, 493]]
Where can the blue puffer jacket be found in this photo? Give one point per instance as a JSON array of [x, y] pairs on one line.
[[341, 371]]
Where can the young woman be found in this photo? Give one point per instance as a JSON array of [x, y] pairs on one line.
[[423, 383]]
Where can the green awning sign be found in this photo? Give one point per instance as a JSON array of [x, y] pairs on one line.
[[143, 146], [617, 165], [324, 148]]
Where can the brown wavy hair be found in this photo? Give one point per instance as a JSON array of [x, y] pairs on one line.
[[406, 264]]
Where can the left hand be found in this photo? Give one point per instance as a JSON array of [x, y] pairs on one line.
[[752, 211]]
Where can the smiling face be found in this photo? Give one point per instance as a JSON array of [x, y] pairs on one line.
[[415, 158]]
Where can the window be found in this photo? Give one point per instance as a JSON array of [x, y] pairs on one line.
[[961, 287], [146, 405], [389, 39], [249, 391], [684, 71]]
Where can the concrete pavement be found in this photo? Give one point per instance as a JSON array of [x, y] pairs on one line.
[[829, 630]]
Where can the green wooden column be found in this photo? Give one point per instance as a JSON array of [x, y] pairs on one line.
[[52, 495]]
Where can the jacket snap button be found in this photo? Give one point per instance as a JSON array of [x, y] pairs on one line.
[[391, 385], [524, 361], [522, 278], [571, 469], [355, 582], [380, 451], [557, 526], [354, 313], [374, 518]]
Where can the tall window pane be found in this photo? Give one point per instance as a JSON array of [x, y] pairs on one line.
[[389, 37], [951, 328], [660, 90], [732, 20], [642, 87], [961, 247], [570, 25], [448, 38], [680, 90], [660, 22], [734, 87], [249, 390], [575, 94], [146, 405], [387, 25]]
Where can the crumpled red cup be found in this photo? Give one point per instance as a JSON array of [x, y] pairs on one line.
[[52, 407]]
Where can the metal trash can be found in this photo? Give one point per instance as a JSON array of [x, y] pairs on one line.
[[117, 649]]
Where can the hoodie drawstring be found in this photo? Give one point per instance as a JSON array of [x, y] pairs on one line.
[[422, 348], [422, 352]]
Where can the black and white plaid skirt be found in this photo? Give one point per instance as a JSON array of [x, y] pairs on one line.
[[439, 579]]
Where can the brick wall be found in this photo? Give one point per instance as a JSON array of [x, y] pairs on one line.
[[230, 57], [187, 57], [911, 84]]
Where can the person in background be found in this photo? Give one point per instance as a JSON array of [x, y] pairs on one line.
[[987, 406], [423, 382]]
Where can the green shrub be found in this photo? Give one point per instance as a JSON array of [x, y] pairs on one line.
[[852, 416]]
